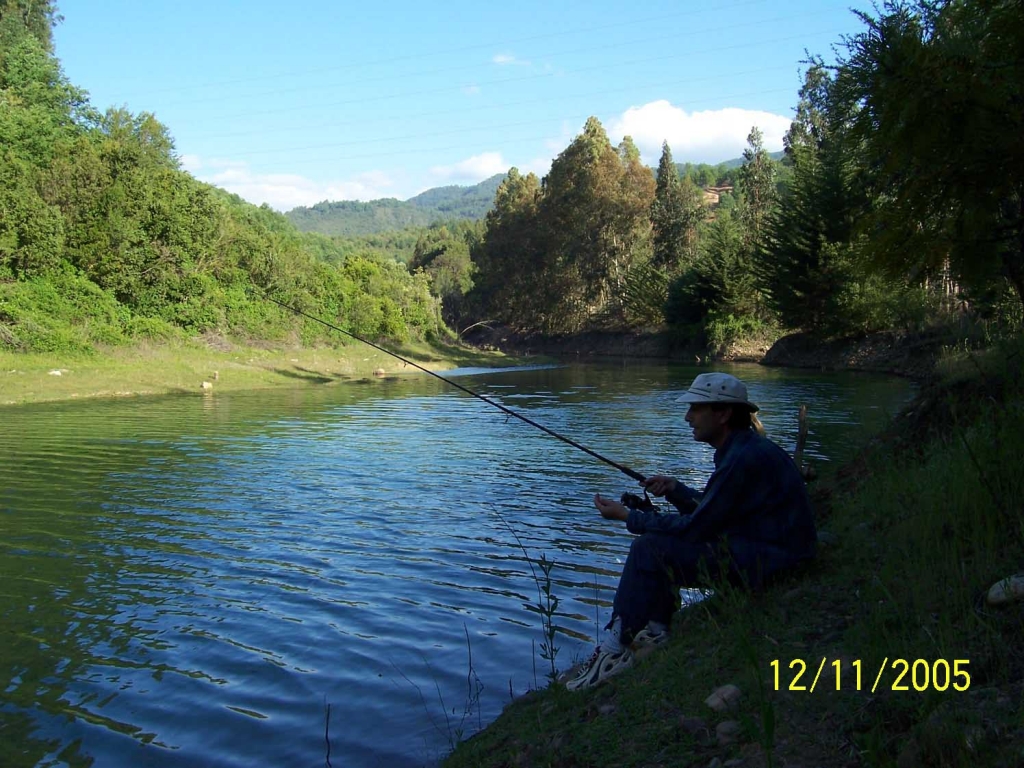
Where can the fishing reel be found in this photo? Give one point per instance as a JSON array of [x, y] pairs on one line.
[[643, 503]]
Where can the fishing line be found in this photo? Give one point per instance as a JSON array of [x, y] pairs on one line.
[[625, 470]]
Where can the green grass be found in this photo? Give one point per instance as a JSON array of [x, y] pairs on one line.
[[921, 524], [182, 366]]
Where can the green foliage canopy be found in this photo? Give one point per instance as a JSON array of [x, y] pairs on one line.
[[103, 238], [939, 91]]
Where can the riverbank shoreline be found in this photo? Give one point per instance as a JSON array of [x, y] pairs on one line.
[[214, 364], [918, 540], [217, 364], [909, 355]]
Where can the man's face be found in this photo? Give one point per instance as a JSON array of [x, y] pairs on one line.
[[707, 424]]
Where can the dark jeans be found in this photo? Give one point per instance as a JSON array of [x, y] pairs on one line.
[[657, 566]]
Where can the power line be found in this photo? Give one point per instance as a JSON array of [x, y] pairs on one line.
[[475, 129], [523, 102], [475, 46], [545, 75], [475, 66], [420, 150]]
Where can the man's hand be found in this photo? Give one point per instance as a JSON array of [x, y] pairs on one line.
[[659, 485], [610, 510]]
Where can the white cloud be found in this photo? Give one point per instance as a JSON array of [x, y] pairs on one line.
[[284, 191], [471, 90], [507, 59], [472, 170], [711, 136]]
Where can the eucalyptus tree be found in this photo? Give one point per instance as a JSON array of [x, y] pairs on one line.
[[594, 210], [509, 258]]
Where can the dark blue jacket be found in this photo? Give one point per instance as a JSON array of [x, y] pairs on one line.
[[755, 498]]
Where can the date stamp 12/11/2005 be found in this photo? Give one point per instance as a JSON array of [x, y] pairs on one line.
[[917, 675]]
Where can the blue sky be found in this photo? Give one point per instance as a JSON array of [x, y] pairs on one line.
[[290, 104]]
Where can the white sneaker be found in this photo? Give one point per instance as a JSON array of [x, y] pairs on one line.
[[601, 666], [645, 638]]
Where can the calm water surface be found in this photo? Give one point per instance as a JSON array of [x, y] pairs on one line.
[[245, 579]]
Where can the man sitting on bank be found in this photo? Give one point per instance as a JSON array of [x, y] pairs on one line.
[[752, 520]]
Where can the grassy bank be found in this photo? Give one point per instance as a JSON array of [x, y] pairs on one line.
[[184, 366], [915, 533]]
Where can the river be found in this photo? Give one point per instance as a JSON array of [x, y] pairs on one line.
[[331, 575]]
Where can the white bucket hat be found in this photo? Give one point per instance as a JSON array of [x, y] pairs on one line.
[[718, 388]]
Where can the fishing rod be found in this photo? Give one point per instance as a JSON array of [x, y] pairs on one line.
[[625, 470]]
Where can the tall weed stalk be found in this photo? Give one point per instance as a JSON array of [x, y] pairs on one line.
[[547, 603]]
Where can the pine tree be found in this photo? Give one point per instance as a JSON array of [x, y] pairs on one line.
[[810, 260]]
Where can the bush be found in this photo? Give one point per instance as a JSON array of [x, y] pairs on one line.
[[724, 331], [153, 329], [61, 312]]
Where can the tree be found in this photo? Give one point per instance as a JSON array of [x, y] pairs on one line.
[[136, 141], [720, 281], [810, 259], [797, 256], [757, 183], [594, 212], [941, 92], [509, 258], [39, 110], [37, 17], [577, 218], [444, 256], [31, 232], [677, 209]]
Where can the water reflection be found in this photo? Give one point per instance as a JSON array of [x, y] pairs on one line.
[[189, 580]]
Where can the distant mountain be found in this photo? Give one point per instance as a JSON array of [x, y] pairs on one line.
[[349, 218], [460, 202], [737, 162], [726, 168]]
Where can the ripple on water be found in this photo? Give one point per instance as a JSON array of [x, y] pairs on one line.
[[197, 579]]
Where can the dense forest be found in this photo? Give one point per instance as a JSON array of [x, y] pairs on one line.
[[104, 240], [896, 204]]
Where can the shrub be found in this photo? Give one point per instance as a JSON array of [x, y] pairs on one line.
[[152, 328], [724, 331], [60, 312]]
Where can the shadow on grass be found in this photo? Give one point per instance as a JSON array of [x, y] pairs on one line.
[[463, 356], [305, 374]]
